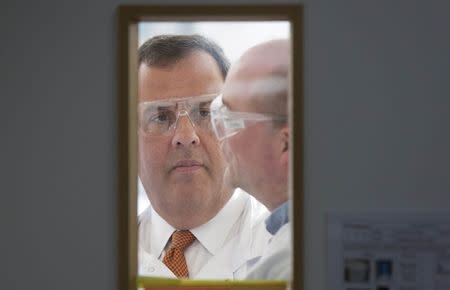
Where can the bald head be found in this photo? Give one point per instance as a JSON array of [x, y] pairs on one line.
[[258, 82], [259, 154]]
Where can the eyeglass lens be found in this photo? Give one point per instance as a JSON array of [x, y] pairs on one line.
[[157, 120]]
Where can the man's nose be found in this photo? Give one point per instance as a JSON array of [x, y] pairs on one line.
[[185, 133]]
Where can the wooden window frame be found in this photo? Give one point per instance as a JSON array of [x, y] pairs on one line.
[[129, 16]]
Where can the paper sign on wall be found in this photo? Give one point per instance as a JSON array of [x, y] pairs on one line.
[[388, 251]]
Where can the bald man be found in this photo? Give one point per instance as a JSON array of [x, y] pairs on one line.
[[250, 120]]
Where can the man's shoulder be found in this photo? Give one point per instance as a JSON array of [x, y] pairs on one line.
[[274, 267], [276, 261], [257, 211], [253, 218]]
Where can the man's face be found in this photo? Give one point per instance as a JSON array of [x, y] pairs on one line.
[[251, 152], [182, 172]]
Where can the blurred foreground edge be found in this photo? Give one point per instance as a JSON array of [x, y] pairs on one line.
[[156, 283]]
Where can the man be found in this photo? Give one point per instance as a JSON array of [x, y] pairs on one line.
[[250, 117], [196, 226]]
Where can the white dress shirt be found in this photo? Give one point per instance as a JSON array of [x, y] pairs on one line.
[[224, 246]]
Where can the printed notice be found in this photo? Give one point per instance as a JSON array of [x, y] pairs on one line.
[[388, 251]]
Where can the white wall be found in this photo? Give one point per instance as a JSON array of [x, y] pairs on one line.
[[377, 96]]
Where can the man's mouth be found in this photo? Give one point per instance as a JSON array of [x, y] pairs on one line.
[[187, 166]]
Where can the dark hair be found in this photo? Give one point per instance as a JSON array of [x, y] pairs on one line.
[[165, 50]]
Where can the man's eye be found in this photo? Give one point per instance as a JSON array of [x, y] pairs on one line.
[[160, 117], [204, 113]]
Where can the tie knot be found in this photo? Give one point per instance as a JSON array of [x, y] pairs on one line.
[[182, 239]]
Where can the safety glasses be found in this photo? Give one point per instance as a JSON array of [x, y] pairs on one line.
[[161, 117], [227, 123]]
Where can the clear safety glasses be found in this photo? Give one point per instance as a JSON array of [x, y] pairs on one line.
[[160, 117], [227, 123]]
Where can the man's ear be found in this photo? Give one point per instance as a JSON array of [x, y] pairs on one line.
[[284, 145]]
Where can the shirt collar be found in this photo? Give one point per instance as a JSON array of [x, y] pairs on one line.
[[161, 231], [278, 218], [207, 234], [212, 234]]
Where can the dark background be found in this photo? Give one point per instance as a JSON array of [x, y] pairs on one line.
[[377, 78]]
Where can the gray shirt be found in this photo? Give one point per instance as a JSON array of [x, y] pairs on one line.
[[278, 218]]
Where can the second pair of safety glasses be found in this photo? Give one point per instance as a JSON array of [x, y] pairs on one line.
[[227, 123], [161, 117]]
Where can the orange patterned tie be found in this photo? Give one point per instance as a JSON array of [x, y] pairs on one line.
[[174, 258]]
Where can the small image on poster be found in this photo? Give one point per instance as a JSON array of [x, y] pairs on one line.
[[357, 270]]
